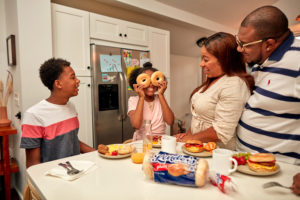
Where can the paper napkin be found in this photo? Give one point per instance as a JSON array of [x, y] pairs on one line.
[[60, 172]]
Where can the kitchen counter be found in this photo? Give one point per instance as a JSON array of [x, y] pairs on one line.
[[121, 179]]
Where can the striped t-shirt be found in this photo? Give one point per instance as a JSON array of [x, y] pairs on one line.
[[53, 128], [271, 118]]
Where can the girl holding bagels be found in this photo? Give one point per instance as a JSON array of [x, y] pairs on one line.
[[217, 104], [147, 105]]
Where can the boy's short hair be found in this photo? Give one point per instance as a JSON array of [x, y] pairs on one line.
[[51, 69]]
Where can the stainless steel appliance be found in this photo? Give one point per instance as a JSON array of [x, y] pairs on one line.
[[110, 69]]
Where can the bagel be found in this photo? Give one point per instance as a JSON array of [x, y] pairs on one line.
[[177, 169], [194, 146], [201, 172], [157, 77], [125, 150], [143, 79]]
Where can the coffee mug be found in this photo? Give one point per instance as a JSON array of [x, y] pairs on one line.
[[222, 161], [168, 144]]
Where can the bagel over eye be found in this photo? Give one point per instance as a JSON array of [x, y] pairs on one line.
[[157, 77], [143, 79]]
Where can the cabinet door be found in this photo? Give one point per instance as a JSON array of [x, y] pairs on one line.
[[116, 30], [135, 34], [159, 42], [84, 109], [105, 28], [70, 32]]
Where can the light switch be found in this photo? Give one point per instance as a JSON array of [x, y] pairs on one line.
[[17, 99]]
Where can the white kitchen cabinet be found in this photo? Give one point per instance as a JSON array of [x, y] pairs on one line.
[[116, 30], [70, 34], [159, 44], [83, 104]]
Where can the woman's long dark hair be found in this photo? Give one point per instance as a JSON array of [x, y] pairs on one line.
[[223, 46]]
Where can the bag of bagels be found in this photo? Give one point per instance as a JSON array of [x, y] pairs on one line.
[[176, 169]]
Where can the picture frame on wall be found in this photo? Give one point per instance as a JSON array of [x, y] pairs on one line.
[[11, 50]]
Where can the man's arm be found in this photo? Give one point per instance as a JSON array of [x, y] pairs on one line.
[[84, 148], [33, 156]]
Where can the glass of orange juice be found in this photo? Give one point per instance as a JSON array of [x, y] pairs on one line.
[[137, 155]]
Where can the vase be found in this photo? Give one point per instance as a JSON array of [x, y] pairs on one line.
[[4, 122]]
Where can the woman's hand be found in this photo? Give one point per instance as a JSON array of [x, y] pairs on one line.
[[139, 89], [182, 137], [162, 87]]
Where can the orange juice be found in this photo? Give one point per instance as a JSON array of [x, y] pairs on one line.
[[147, 147], [137, 157]]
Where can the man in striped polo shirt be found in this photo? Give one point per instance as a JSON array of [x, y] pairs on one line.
[[50, 127], [271, 118]]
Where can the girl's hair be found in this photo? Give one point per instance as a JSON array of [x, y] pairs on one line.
[[224, 47], [136, 72]]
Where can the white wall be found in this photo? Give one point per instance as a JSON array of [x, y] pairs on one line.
[[30, 22], [3, 59], [185, 76]]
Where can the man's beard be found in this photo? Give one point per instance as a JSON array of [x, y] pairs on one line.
[[256, 61]]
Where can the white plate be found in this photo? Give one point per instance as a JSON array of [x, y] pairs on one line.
[[119, 156], [201, 154], [156, 145], [246, 170]]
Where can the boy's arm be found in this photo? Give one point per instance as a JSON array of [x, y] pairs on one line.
[[33, 157], [84, 148]]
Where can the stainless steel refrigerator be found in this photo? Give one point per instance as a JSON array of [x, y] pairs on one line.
[[110, 70]]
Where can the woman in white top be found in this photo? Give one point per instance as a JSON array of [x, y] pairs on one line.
[[217, 104]]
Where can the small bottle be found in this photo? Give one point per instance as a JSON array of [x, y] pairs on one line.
[[147, 136], [223, 182]]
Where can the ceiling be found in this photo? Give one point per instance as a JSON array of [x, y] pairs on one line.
[[227, 12], [184, 33]]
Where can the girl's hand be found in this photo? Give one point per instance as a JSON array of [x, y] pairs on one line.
[[139, 89], [162, 87]]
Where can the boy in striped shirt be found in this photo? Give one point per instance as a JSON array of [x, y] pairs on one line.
[[50, 127]]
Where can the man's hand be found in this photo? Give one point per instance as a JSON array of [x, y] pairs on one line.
[[296, 184]]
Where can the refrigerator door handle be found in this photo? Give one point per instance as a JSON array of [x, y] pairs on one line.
[[123, 96]]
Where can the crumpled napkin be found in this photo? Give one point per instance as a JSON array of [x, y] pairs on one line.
[[60, 172]]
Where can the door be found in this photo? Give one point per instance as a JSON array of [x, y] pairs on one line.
[[70, 32], [107, 94], [84, 109]]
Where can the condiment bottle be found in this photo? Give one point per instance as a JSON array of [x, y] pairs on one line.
[[147, 136]]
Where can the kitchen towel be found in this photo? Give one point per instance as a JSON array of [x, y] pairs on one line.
[[60, 172]]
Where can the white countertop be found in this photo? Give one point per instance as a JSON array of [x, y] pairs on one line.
[[122, 179]]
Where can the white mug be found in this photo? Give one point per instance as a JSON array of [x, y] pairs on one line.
[[222, 161], [168, 144]]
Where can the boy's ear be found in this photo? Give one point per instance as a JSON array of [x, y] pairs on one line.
[[57, 84]]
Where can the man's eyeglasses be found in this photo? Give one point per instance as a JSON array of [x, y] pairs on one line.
[[242, 45]]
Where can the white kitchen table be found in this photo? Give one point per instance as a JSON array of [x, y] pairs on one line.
[[121, 179]]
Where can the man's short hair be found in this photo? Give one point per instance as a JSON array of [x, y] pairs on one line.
[[51, 69], [268, 21]]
